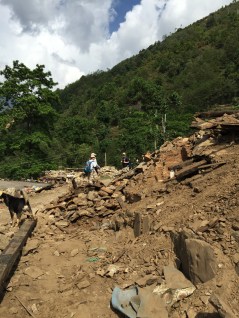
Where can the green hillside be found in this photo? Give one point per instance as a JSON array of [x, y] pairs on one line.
[[194, 69], [134, 107]]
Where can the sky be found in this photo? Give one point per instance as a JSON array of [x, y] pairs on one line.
[[78, 37]]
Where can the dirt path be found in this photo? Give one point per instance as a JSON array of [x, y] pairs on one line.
[[57, 277]]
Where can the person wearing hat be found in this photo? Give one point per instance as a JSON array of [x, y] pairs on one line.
[[125, 160], [94, 168]]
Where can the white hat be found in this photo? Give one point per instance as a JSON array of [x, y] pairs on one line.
[[123, 153], [93, 155]]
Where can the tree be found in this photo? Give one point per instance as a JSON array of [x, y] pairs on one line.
[[136, 136], [27, 115]]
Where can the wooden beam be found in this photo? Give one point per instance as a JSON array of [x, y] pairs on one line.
[[189, 170], [12, 252], [214, 114], [181, 165], [213, 165]]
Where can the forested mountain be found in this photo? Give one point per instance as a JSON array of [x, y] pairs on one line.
[[139, 103], [192, 70]]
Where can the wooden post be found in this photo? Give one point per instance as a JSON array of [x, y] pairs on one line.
[[12, 252], [105, 159]]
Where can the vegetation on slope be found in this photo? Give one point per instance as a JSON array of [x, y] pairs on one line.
[[192, 70], [133, 107]]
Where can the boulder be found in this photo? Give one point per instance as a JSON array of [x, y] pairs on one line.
[[197, 258]]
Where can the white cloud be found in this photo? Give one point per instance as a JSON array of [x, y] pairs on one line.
[[71, 37], [180, 13]]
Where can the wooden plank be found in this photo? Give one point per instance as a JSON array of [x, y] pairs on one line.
[[213, 165], [190, 170], [181, 165], [12, 252]]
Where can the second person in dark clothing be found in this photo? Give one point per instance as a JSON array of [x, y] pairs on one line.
[[125, 162]]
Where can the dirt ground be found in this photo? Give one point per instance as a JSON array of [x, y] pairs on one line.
[[62, 261], [64, 271]]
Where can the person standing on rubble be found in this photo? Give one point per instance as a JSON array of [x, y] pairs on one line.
[[92, 168], [125, 162]]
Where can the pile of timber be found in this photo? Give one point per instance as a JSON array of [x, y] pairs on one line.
[[191, 167]]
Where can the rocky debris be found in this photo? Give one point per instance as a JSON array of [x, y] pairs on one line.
[[6, 234], [94, 201], [31, 246], [56, 176], [28, 187], [34, 272], [13, 192], [110, 172], [175, 287], [153, 301], [210, 120], [128, 202], [127, 232], [222, 308], [4, 240], [137, 302]]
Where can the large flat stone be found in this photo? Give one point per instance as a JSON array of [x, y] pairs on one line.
[[197, 257], [201, 260]]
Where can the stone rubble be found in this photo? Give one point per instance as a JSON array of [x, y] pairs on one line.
[[177, 235]]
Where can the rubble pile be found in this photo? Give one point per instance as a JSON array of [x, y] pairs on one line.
[[58, 177], [199, 234], [99, 201], [160, 240]]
